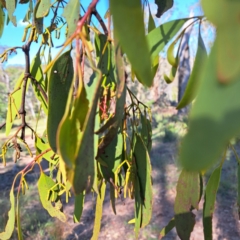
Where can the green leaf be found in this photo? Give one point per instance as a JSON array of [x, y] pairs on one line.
[[11, 6], [163, 6], [103, 58], [2, 19], [151, 23], [228, 37], [146, 132], [169, 79], [78, 207], [209, 203], [194, 80], [144, 174], [40, 82], [37, 22], [19, 229], [45, 183], [11, 218], [188, 191], [98, 212], [84, 173], [112, 156], [42, 146], [71, 13], [138, 207], [170, 55], [167, 229], [43, 8], [112, 198], [159, 37], [188, 194], [130, 32], [214, 119], [113, 124], [60, 82]]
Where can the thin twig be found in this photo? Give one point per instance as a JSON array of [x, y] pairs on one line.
[[100, 20]]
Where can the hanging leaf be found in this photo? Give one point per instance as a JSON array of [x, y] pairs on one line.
[[112, 156], [228, 36], [113, 124], [146, 132], [159, 37], [42, 146], [188, 191], [170, 55], [163, 6], [83, 176], [193, 82], [71, 13], [37, 22], [144, 175], [45, 183], [151, 23], [138, 207], [167, 229], [43, 8], [40, 82], [98, 212], [11, 6], [169, 79], [60, 82], [209, 203], [11, 218], [131, 36], [214, 119], [2, 19], [78, 207]]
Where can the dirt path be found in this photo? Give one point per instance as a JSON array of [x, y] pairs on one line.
[[165, 174]]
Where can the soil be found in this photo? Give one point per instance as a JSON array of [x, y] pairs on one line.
[[165, 174]]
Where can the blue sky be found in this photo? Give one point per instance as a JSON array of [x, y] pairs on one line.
[[12, 36]]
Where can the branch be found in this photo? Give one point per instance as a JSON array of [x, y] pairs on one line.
[[55, 12], [22, 112], [99, 18]]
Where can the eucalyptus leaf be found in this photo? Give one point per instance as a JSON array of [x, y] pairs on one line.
[[60, 82], [159, 37], [43, 8], [71, 14], [193, 82], [144, 175], [45, 183], [11, 218], [98, 212], [214, 119], [11, 6], [163, 6], [209, 203], [130, 32]]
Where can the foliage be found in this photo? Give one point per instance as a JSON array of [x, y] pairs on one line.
[[95, 137]]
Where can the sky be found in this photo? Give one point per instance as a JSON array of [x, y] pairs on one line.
[[12, 35]]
